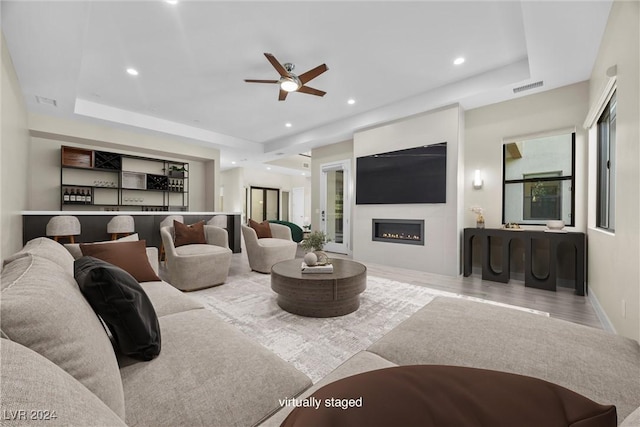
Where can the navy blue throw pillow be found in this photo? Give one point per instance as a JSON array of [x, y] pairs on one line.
[[122, 304]]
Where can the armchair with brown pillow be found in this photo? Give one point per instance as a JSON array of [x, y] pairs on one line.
[[198, 256], [267, 244]]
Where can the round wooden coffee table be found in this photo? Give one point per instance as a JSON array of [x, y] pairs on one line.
[[319, 294]]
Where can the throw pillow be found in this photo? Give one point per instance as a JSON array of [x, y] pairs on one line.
[[129, 256], [74, 248], [433, 395], [122, 304], [188, 234], [262, 229]]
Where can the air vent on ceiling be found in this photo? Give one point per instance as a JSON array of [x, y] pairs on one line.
[[527, 87], [46, 101]]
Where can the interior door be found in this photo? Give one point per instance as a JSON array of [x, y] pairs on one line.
[[297, 205], [335, 200]]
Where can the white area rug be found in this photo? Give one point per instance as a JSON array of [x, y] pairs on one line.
[[317, 346]]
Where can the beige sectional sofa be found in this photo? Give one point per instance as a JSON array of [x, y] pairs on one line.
[[451, 331], [58, 358]]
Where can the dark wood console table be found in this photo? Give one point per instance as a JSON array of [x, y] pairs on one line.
[[578, 240]]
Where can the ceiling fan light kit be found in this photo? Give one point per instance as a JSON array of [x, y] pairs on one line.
[[289, 82]]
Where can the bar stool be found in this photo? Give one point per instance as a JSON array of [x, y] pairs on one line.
[[63, 226], [168, 222], [121, 225]]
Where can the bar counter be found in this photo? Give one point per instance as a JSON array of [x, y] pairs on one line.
[[147, 224]]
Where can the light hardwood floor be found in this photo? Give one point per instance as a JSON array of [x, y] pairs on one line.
[[562, 304]]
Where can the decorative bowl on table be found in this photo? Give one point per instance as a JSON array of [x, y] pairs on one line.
[[513, 226], [555, 224]]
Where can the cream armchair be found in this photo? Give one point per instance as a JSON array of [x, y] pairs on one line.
[[198, 266], [263, 253]]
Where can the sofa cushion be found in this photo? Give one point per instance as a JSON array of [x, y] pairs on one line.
[[43, 309], [263, 230], [122, 304], [434, 395], [48, 394], [76, 252], [449, 331], [632, 420], [129, 256], [188, 234], [46, 248], [229, 379], [360, 362], [168, 300]]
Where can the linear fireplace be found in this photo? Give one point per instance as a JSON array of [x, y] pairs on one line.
[[407, 231]]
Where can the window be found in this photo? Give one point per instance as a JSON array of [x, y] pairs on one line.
[[542, 198], [606, 195], [539, 177]]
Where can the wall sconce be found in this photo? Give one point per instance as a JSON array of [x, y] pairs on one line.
[[477, 180]]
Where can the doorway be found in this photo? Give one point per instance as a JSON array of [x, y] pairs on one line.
[[265, 204], [297, 206], [335, 200]]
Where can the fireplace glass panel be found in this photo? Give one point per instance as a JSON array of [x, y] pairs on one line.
[[399, 231]]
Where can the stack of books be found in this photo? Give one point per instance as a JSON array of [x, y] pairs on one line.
[[328, 268]]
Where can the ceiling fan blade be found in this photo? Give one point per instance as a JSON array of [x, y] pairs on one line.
[[260, 81], [312, 74], [282, 95], [277, 65], [311, 91]]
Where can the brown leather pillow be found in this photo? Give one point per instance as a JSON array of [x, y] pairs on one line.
[[129, 256], [262, 229], [188, 234], [432, 395]]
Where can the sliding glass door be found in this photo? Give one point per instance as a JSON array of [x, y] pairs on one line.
[[265, 204]]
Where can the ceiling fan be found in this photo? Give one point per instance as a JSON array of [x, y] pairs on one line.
[[290, 82]]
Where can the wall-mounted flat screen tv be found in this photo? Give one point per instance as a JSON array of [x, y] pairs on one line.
[[414, 175]]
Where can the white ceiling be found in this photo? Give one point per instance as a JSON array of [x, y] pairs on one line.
[[394, 58]]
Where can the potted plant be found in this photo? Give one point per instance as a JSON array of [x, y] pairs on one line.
[[315, 242], [177, 171]]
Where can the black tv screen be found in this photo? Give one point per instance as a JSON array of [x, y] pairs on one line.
[[414, 175]]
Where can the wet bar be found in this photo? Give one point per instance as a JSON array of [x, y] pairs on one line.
[[147, 224]]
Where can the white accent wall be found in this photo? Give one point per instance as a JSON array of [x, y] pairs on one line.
[[441, 251]]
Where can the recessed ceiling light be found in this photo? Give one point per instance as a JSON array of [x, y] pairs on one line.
[[132, 71], [304, 173], [233, 163], [288, 125], [172, 1], [351, 101], [268, 168], [458, 61]]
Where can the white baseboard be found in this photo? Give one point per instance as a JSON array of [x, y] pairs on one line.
[[604, 319]]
